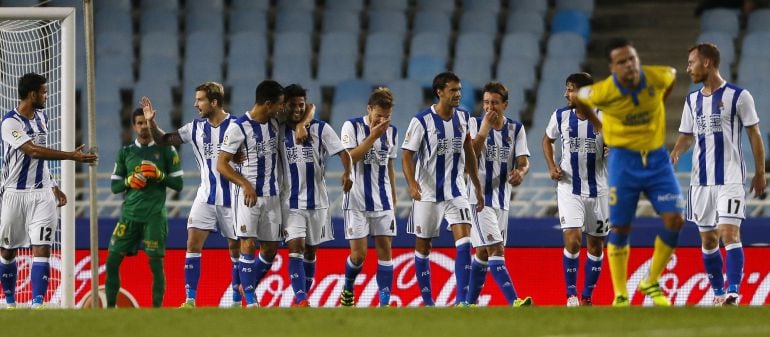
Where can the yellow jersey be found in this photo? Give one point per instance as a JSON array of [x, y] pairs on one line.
[[632, 119]]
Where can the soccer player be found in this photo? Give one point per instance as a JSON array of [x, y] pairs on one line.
[[143, 170], [257, 204], [633, 125], [370, 204], [714, 115], [30, 196], [500, 144], [307, 221], [437, 147], [211, 210], [581, 177]]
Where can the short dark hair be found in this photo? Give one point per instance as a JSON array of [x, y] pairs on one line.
[[707, 50], [381, 97], [441, 80], [495, 87], [213, 90], [136, 113], [580, 79], [30, 82], [618, 42], [268, 90], [294, 90]]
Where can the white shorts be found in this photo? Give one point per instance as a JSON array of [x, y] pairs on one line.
[[263, 221], [212, 218], [360, 224], [314, 225], [28, 217], [708, 206], [425, 218], [590, 214], [491, 227]]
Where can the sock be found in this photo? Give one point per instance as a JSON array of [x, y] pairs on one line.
[[351, 271], [665, 244], [8, 272], [235, 282], [297, 277], [462, 268], [618, 251], [247, 272], [158, 280], [422, 272], [734, 266], [503, 279], [570, 263], [192, 272], [263, 267], [385, 280], [309, 266], [592, 269], [476, 283], [41, 269], [712, 261], [112, 279]]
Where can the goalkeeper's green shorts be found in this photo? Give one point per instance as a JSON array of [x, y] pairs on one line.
[[129, 235]]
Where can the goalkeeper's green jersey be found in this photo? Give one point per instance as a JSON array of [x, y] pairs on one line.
[[143, 204]]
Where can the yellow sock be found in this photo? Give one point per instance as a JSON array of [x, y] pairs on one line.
[[660, 257], [618, 260]]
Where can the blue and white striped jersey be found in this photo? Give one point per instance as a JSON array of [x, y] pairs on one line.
[[206, 141], [21, 171], [304, 164], [259, 143], [496, 160], [439, 152], [716, 122], [582, 154], [371, 184]]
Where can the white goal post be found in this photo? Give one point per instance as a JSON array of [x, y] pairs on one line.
[[22, 18]]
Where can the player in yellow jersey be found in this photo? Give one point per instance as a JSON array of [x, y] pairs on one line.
[[634, 127]]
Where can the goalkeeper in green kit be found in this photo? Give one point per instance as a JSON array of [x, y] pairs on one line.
[[143, 170]]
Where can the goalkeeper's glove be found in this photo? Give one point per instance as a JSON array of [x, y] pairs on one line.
[[151, 171], [136, 181]]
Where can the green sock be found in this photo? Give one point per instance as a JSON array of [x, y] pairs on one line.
[[158, 281], [112, 283]]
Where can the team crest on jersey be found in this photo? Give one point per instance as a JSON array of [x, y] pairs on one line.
[[226, 140], [406, 137], [490, 237], [418, 229], [243, 228], [189, 220], [563, 221], [16, 134], [345, 138], [651, 91]]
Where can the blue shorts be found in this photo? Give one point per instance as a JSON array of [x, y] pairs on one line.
[[628, 176]]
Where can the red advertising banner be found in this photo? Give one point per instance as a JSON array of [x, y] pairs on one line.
[[536, 272]]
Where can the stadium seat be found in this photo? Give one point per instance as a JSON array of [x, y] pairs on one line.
[[205, 46], [110, 44], [253, 21], [160, 94], [162, 69], [571, 21], [756, 45], [344, 111], [340, 20], [241, 92], [345, 5], [396, 5], [447, 7], [249, 5], [557, 68], [566, 44], [431, 21], [202, 22], [584, 6], [390, 21], [382, 68], [110, 6], [384, 44], [352, 91], [520, 74], [478, 21], [205, 7], [408, 101], [423, 68], [293, 5], [537, 6], [287, 44], [478, 46], [759, 21], [525, 22], [106, 21], [468, 95], [474, 71], [152, 5], [159, 44], [490, 6], [720, 20], [724, 42], [115, 69], [522, 46], [158, 21], [247, 44], [313, 89], [430, 44], [294, 21], [291, 69], [337, 57]]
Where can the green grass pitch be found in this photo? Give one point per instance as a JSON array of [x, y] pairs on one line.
[[543, 321]]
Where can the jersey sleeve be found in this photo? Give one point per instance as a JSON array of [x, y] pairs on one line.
[[552, 129], [119, 170], [348, 135], [330, 140], [590, 95], [13, 133], [393, 149], [233, 139], [521, 148], [173, 163], [687, 124], [185, 133], [746, 110], [413, 136], [473, 127]]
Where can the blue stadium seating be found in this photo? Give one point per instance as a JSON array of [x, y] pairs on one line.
[[398, 5], [408, 102], [204, 22], [490, 6], [205, 7], [522, 46], [247, 58], [479, 21], [348, 5], [161, 69], [724, 42], [294, 21], [304, 5], [720, 20], [430, 44], [106, 21], [248, 21], [357, 91], [249, 5], [538, 6], [474, 71], [431, 21], [572, 21], [446, 7], [392, 21], [525, 22], [159, 44], [759, 21], [291, 68], [160, 94], [584, 6], [287, 44], [341, 20], [423, 68], [158, 21], [566, 45], [382, 68], [337, 57], [475, 45], [153, 5]]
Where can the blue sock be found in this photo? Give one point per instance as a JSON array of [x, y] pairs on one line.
[[385, 280], [39, 278], [591, 271], [712, 261], [309, 273], [351, 272], [476, 283], [8, 272], [500, 273], [462, 268], [235, 282], [263, 266], [192, 273], [570, 262], [734, 266], [297, 277], [247, 274], [422, 272]]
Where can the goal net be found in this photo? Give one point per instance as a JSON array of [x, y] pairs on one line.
[[38, 40]]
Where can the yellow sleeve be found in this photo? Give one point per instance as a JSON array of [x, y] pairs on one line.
[[590, 95], [662, 76]]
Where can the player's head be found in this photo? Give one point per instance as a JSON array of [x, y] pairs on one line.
[[494, 98], [296, 99], [270, 94], [624, 62], [208, 96], [380, 105], [702, 61], [140, 124], [446, 87], [573, 83], [33, 87]]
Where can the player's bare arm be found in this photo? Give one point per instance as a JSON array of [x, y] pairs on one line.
[[553, 169], [473, 172], [41, 152], [227, 171], [516, 176], [376, 132], [61, 198], [300, 130], [758, 183], [683, 142], [407, 162], [479, 143], [347, 181], [590, 113], [161, 138]]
